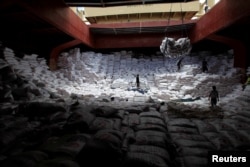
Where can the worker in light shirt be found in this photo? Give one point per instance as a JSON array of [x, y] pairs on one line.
[[246, 83]]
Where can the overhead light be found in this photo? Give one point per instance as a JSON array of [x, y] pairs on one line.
[[202, 1], [80, 8], [216, 1]]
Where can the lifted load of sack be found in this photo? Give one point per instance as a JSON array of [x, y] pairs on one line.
[[175, 48]]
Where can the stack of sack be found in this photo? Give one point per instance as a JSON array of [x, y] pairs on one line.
[[39, 127]]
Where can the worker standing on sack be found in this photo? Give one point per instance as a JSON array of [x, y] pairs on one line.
[[213, 97], [137, 81], [204, 65]]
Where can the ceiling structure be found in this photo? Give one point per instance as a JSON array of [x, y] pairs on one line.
[[140, 18], [156, 27], [44, 26], [106, 3], [142, 13], [23, 27]]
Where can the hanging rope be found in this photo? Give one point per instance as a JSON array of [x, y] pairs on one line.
[[182, 21], [175, 48], [169, 17], [186, 47], [182, 18], [166, 38], [166, 41]]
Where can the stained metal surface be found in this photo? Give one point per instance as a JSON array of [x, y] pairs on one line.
[[105, 3], [142, 30]]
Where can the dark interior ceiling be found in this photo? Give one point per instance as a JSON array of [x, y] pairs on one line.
[[105, 3], [25, 32]]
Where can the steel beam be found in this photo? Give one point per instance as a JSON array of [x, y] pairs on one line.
[[57, 50], [125, 41], [143, 24], [131, 41], [135, 40], [60, 16], [240, 50], [222, 15]]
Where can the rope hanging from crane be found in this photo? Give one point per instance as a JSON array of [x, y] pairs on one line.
[[173, 48]]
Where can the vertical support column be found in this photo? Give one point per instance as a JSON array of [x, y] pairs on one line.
[[223, 14], [240, 50], [240, 55], [56, 51]]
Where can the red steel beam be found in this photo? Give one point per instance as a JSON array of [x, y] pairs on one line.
[[240, 50], [58, 14], [135, 40], [128, 41], [131, 41], [142, 24], [222, 15], [57, 50]]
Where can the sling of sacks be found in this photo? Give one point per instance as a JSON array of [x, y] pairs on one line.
[[175, 48]]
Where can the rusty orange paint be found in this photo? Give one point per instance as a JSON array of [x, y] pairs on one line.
[[57, 50]]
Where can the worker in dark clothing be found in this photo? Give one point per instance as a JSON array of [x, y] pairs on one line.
[[213, 97], [179, 64], [204, 66], [206, 8], [137, 81]]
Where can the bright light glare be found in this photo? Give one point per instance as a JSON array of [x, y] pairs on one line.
[[80, 8], [216, 1]]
